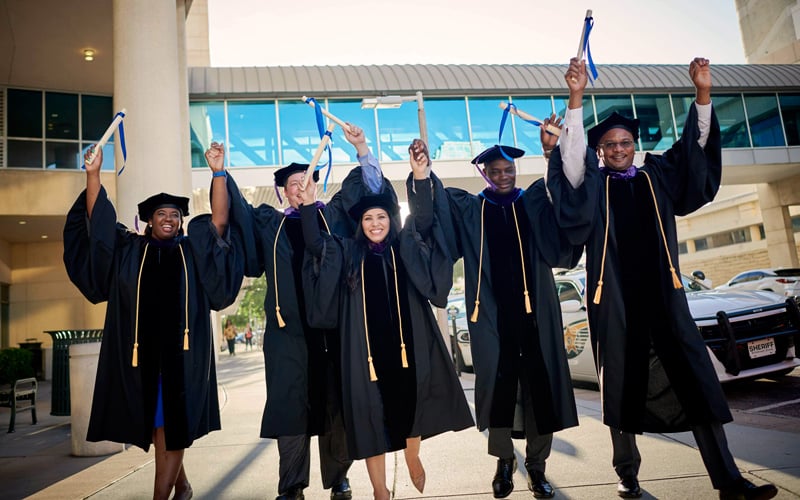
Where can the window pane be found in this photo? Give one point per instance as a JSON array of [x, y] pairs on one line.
[[25, 114], [108, 155], [656, 129], [63, 155], [26, 154], [790, 110], [61, 115], [299, 135], [97, 113], [484, 117], [765, 124], [730, 113], [527, 134], [397, 127], [561, 103], [448, 134], [206, 125], [351, 112], [252, 134]]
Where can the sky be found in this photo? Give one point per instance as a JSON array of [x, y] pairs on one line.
[[353, 32]]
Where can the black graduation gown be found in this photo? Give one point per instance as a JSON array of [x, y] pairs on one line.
[[639, 308], [493, 338], [102, 259], [295, 356], [425, 274]]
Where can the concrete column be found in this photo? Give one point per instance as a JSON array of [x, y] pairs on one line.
[[777, 227], [150, 82]]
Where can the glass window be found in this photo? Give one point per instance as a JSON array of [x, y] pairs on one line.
[[207, 125], [527, 134], [561, 103], [730, 112], [299, 135], [681, 104], [66, 155], [765, 123], [448, 134], [108, 155], [790, 111], [24, 154], [397, 127], [567, 291], [97, 113], [252, 134], [683, 248], [351, 112], [484, 118], [25, 114], [61, 115], [657, 132], [701, 244]]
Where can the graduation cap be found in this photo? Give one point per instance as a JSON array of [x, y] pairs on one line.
[[616, 120], [148, 206], [382, 200], [496, 152], [282, 174]]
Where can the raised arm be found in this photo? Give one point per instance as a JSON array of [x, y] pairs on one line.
[[371, 173], [215, 157], [92, 178], [308, 216], [422, 208]]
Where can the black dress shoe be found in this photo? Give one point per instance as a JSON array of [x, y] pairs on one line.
[[628, 487], [745, 490], [503, 483], [293, 493], [342, 491], [538, 484]]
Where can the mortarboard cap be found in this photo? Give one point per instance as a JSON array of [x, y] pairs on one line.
[[616, 120], [382, 200], [148, 206], [283, 173], [495, 152]]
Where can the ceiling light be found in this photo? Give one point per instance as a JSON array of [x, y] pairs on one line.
[[44, 236], [23, 222], [88, 54]]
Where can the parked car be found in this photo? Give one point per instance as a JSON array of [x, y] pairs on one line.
[[764, 326], [459, 338], [780, 281]]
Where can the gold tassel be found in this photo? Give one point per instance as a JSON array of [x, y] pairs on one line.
[[527, 303], [598, 292], [403, 355], [675, 281], [373, 377], [135, 361], [186, 339], [474, 317], [281, 323]]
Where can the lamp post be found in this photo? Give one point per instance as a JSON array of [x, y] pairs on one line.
[[395, 101], [452, 312]]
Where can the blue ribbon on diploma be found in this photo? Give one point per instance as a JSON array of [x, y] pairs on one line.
[[588, 24], [322, 133], [122, 146], [503, 126]]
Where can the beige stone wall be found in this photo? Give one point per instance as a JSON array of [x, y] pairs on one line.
[[42, 297], [721, 264]]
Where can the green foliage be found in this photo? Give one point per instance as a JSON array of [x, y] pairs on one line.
[[15, 363], [251, 308]]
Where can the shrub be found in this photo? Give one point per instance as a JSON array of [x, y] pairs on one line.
[[15, 363]]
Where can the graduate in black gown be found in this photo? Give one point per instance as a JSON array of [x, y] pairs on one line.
[[398, 383], [156, 381], [510, 242], [655, 373], [302, 363]]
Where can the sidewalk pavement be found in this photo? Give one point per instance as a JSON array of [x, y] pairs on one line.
[[234, 463]]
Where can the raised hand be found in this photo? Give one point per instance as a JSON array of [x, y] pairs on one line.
[[700, 73], [308, 195], [549, 140], [95, 165], [576, 79], [215, 156], [419, 159]]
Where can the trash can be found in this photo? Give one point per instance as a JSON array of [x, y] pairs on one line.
[[83, 371], [62, 339], [35, 347]]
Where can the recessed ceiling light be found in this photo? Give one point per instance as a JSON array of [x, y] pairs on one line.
[[88, 54], [44, 236], [23, 222]]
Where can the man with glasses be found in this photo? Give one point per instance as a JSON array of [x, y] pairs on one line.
[[655, 374]]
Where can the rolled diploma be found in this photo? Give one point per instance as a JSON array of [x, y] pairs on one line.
[[525, 116], [318, 154], [331, 116]]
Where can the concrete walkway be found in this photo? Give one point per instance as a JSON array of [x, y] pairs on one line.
[[35, 461]]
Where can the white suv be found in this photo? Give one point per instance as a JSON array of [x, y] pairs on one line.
[[780, 281]]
